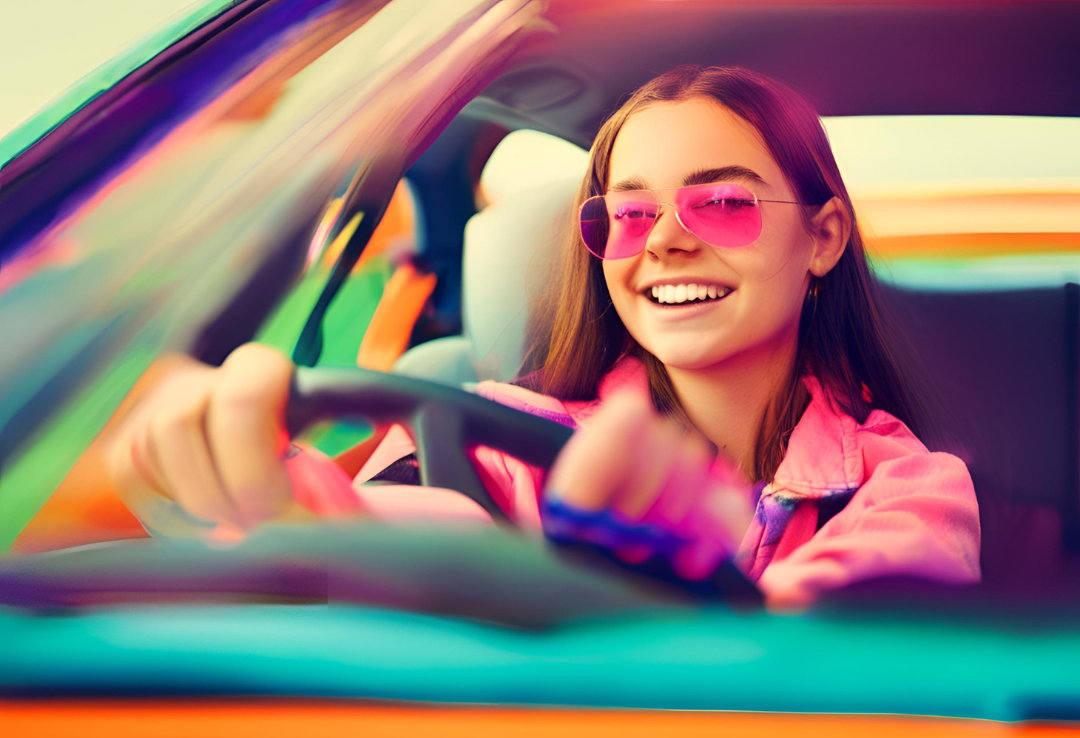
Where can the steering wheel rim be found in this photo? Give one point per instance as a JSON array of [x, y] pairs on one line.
[[443, 421]]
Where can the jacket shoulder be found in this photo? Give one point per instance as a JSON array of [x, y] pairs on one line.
[[884, 437], [526, 401], [628, 375], [829, 451]]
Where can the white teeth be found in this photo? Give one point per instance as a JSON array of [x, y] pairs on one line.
[[672, 294]]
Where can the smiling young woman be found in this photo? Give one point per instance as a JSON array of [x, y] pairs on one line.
[[806, 289], [715, 341], [721, 253]]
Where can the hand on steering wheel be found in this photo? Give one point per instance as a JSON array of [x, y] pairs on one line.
[[204, 448], [632, 483]]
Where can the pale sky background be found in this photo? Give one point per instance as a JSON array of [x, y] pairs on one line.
[[48, 45]]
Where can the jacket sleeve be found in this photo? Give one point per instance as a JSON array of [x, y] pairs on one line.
[[914, 515], [323, 488]]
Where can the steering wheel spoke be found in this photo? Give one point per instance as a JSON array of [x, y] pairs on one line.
[[440, 433], [445, 421]]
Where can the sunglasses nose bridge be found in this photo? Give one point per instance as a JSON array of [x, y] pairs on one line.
[[678, 216]]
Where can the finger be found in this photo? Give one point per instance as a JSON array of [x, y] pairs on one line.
[[140, 469], [700, 558], [179, 449], [131, 461], [130, 469], [596, 461], [665, 488], [714, 523], [724, 510], [244, 423], [653, 461], [139, 483], [684, 485]]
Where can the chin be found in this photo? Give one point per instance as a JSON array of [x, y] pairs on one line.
[[690, 358]]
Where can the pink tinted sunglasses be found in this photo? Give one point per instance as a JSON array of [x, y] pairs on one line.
[[616, 225]]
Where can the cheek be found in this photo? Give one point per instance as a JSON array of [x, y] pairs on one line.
[[617, 275], [775, 310], [780, 261], [781, 250], [773, 277]]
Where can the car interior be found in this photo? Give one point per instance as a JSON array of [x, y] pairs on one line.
[[435, 617], [1001, 363], [1010, 417]]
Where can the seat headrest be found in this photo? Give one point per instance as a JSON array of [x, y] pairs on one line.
[[511, 250], [511, 254], [527, 159]]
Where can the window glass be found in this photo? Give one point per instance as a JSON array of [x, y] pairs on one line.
[[943, 201], [345, 324], [349, 315], [964, 202]]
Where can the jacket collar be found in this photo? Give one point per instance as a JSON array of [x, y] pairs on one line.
[[823, 456]]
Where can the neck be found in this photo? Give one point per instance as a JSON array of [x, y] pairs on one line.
[[726, 402]]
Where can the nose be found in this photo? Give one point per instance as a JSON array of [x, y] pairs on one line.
[[668, 234]]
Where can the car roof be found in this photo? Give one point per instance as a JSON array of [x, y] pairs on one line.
[[878, 58], [852, 58]]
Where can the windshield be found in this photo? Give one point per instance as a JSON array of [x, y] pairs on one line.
[[172, 212]]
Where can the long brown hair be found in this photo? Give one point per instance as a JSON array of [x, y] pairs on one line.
[[577, 336]]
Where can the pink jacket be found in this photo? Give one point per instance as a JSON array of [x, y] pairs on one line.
[[849, 502]]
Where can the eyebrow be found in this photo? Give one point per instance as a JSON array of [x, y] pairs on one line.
[[701, 176]]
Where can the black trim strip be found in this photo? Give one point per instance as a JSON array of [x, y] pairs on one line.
[[1071, 511]]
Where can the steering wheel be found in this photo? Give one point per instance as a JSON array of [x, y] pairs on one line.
[[493, 574], [444, 422]]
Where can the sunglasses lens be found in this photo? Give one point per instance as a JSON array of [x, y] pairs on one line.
[[723, 215], [616, 226], [594, 226]]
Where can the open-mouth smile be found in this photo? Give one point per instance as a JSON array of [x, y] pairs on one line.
[[675, 295]]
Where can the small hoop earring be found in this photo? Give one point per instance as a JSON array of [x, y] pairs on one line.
[[812, 296]]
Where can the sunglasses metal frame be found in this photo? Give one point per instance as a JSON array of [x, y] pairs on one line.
[[675, 208]]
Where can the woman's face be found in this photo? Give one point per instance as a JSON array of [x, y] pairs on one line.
[[661, 147]]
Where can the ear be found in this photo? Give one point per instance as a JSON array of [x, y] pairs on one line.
[[830, 229]]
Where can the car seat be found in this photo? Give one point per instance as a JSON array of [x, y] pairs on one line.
[[509, 257], [1004, 366]]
